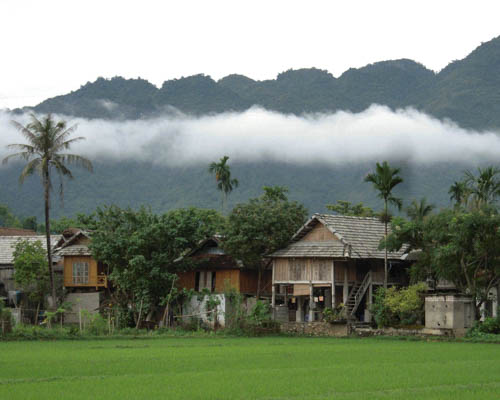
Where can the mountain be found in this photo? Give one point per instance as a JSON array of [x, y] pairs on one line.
[[466, 91]]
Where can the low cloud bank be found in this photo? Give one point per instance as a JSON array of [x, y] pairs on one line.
[[376, 134]]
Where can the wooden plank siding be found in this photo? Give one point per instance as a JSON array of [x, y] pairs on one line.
[[68, 271], [227, 277], [186, 280], [340, 267], [319, 234], [302, 269]]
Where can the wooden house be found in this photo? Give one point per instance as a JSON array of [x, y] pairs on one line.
[[81, 272], [216, 271], [7, 247], [332, 260]]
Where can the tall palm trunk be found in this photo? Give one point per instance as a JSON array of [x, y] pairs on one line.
[[386, 217], [46, 188]]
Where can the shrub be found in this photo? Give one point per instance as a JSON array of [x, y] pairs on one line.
[[399, 307], [336, 314]]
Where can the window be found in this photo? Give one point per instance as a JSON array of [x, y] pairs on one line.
[[204, 280], [80, 273]]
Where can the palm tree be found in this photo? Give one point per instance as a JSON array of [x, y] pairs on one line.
[[384, 179], [485, 187], [418, 210], [223, 178], [459, 193], [46, 139]]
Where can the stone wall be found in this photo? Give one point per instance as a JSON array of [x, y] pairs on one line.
[[315, 329]]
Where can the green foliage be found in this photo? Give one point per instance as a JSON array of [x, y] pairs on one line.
[[261, 226], [31, 269], [222, 173], [7, 219], [346, 208], [399, 307], [336, 314], [142, 250], [261, 312]]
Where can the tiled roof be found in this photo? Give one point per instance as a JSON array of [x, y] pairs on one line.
[[333, 249], [8, 243], [74, 250], [16, 232], [358, 237]]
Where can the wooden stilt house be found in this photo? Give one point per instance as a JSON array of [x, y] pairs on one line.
[[332, 260]]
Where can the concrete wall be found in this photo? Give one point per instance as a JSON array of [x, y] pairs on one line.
[[82, 301], [448, 312], [198, 309]]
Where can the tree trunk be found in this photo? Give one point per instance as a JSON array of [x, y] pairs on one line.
[[36, 315], [139, 317], [385, 245], [259, 275], [47, 235]]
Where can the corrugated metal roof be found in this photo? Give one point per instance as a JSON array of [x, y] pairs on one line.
[[8, 243], [358, 237]]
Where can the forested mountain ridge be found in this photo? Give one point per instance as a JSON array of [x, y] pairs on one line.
[[466, 91]]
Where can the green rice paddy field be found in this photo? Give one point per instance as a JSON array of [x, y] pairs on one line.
[[249, 368]]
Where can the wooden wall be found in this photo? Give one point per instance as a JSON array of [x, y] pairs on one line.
[[302, 269], [186, 280], [225, 277], [320, 233], [340, 267], [68, 271]]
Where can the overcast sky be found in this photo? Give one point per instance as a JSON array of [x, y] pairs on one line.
[[52, 47]]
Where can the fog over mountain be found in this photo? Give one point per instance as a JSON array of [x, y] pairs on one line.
[[317, 134], [257, 135]]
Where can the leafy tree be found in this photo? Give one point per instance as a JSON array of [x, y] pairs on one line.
[[141, 248], [346, 208], [384, 180], [47, 139], [7, 219], [261, 226], [30, 223], [223, 178], [418, 210], [31, 271], [461, 246]]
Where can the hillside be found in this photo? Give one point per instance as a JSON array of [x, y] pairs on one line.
[[466, 91]]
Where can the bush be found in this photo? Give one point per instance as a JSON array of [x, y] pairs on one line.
[[490, 326], [399, 307], [332, 315], [6, 320]]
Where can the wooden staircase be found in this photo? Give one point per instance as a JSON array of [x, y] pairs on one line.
[[356, 295]]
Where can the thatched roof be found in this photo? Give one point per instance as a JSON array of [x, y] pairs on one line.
[[353, 237]]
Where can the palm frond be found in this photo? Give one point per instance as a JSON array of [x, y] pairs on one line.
[[28, 134], [24, 155], [29, 169], [76, 160]]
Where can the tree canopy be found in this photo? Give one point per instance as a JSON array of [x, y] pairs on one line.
[[142, 250], [262, 225]]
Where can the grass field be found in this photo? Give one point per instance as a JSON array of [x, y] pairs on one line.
[[249, 368]]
